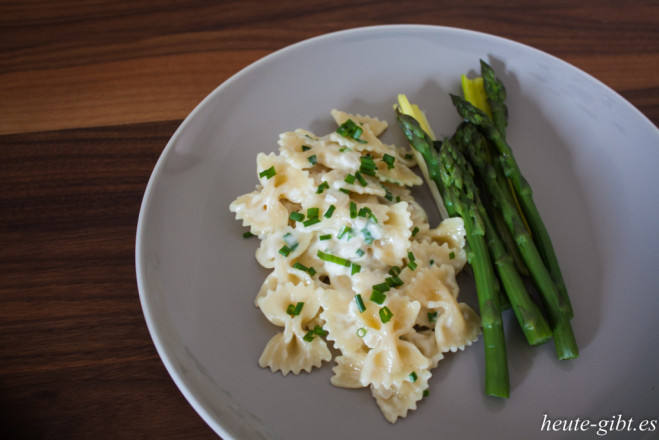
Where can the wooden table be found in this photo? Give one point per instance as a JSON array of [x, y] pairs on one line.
[[90, 92]]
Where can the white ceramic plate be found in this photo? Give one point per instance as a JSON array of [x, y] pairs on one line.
[[592, 160]]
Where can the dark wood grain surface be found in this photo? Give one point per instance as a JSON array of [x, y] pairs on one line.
[[90, 92]]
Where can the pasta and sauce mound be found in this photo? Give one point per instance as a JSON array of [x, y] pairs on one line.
[[358, 274]]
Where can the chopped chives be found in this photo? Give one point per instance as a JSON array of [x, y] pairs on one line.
[[290, 240], [296, 216], [304, 268], [368, 238], [413, 377], [382, 287], [295, 310], [360, 252], [411, 263], [329, 211], [355, 268], [353, 210], [345, 230], [285, 250], [351, 130], [389, 160], [322, 187], [268, 173], [377, 296], [349, 179], [367, 165], [431, 262], [388, 195], [409, 156], [333, 259], [345, 190], [311, 221], [393, 281], [312, 159], [361, 332], [308, 336], [360, 303], [306, 148], [366, 212], [394, 271], [248, 234], [415, 231], [451, 255], [325, 237], [313, 212], [432, 316], [385, 314], [319, 331], [426, 392], [361, 179]]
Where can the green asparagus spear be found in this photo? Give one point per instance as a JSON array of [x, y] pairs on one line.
[[530, 318], [522, 190], [496, 97], [565, 343], [460, 200]]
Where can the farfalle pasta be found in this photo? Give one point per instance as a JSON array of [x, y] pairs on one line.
[[356, 269]]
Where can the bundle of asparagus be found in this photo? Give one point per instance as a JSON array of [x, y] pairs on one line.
[[477, 178]]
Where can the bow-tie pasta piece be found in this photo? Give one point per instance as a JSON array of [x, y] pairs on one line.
[[298, 347], [395, 402], [263, 209]]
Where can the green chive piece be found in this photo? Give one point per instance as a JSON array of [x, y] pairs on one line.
[[268, 173], [333, 259], [431, 262], [308, 336], [325, 237], [345, 230], [385, 314], [426, 392], [377, 297], [349, 179], [345, 190], [361, 179], [413, 377], [412, 265], [394, 271], [368, 238], [329, 211], [312, 159], [318, 330], [361, 332], [294, 310], [367, 165], [360, 303], [389, 160], [306, 148], [353, 210], [360, 252], [451, 255], [322, 187], [393, 281], [248, 234], [409, 156], [382, 287], [355, 268], [415, 231], [296, 216], [351, 130], [388, 195], [432, 316], [311, 221], [410, 256], [285, 250], [313, 212]]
